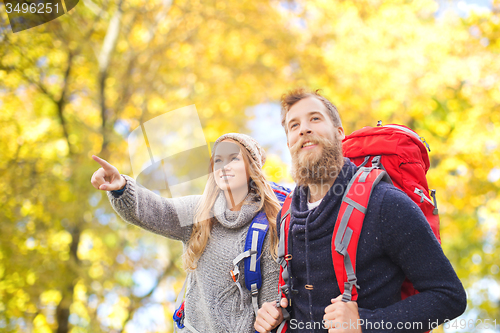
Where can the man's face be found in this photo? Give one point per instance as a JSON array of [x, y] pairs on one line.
[[314, 142], [309, 118]]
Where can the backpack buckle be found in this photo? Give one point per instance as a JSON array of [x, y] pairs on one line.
[[353, 282], [284, 289], [342, 249]]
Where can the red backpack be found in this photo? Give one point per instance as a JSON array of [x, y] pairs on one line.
[[389, 153]]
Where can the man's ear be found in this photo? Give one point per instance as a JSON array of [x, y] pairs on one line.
[[341, 132]]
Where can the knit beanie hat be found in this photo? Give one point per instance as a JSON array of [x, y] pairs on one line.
[[258, 154]]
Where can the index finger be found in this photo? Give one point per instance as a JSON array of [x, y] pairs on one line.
[[102, 162], [337, 299]]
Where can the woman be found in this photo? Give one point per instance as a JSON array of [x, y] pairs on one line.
[[213, 227]]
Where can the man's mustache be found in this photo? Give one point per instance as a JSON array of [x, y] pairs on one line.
[[313, 139]]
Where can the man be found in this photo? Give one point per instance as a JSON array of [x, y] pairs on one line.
[[395, 242]]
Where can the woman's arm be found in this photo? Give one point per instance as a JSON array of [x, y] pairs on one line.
[[172, 218]]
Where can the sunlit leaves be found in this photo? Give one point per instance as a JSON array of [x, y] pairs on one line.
[[376, 60]]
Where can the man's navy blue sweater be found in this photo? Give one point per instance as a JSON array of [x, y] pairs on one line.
[[396, 241]]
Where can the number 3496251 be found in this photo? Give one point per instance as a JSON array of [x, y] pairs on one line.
[[33, 8]]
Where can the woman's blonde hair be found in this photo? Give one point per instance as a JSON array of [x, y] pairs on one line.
[[204, 218]]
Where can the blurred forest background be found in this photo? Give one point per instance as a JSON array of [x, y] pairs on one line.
[[80, 84]]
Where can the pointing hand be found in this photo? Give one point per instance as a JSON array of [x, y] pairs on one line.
[[107, 178]]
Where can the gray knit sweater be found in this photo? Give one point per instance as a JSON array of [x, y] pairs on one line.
[[212, 301]]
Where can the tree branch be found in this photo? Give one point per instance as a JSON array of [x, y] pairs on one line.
[[62, 101], [58, 102], [104, 58]]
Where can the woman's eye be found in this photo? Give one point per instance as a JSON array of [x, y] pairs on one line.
[[235, 158], [217, 161], [315, 118]]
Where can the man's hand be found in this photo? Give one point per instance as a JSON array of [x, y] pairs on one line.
[[342, 317], [269, 316], [107, 178]]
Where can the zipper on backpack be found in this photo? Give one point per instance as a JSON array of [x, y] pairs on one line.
[[412, 133], [424, 197], [433, 195], [425, 143]]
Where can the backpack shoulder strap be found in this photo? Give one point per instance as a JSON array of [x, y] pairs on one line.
[[252, 253], [348, 228], [283, 246], [254, 243], [251, 256], [280, 191], [283, 257]]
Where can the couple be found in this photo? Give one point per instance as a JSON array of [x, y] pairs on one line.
[[396, 240]]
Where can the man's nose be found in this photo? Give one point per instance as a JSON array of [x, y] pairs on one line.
[[305, 129]]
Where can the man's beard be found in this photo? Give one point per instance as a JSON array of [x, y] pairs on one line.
[[312, 167]]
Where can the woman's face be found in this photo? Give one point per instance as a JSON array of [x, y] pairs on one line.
[[229, 167]]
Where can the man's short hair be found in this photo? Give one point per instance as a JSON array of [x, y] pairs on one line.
[[295, 95]]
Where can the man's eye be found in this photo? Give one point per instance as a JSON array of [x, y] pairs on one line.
[[315, 118], [293, 125]]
